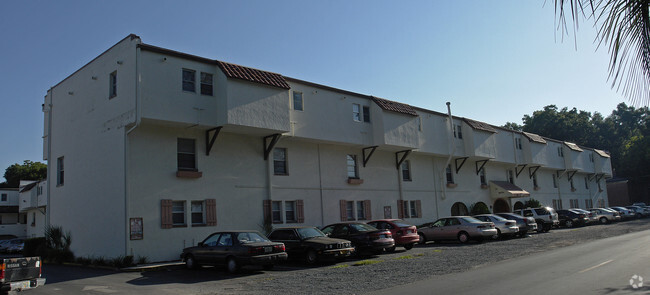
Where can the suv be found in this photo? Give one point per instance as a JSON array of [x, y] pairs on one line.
[[546, 217]]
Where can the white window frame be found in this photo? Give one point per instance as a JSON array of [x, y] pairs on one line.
[[349, 210], [193, 80], [554, 180], [302, 101], [518, 143], [290, 206], [560, 152], [277, 211], [360, 210], [413, 209], [482, 177], [405, 168], [176, 211], [352, 163], [60, 171], [201, 211], [356, 112], [277, 152], [186, 153], [365, 114], [206, 82], [458, 131], [449, 174]]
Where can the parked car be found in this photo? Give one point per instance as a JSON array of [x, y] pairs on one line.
[[525, 224], [546, 217], [641, 204], [571, 218], [461, 228], [626, 214], [591, 216], [16, 247], [505, 227], [5, 244], [605, 215], [235, 249], [404, 234], [364, 237], [311, 244], [638, 211]]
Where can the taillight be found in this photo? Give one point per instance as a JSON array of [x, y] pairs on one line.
[[2, 271], [481, 226], [279, 247]]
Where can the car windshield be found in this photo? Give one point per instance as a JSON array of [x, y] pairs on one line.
[[250, 237], [402, 223], [310, 232], [499, 218], [471, 220], [361, 227]]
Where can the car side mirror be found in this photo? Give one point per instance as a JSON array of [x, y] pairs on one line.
[[200, 244]]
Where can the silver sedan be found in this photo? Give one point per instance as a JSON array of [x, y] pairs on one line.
[[461, 228], [505, 227]]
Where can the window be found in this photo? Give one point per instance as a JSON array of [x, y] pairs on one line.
[[280, 161], [356, 112], [353, 168], [33, 219], [178, 212], [450, 174], [189, 80], [587, 184], [414, 209], [574, 203], [589, 203], [206, 84], [349, 208], [406, 170], [59, 171], [518, 143], [361, 210], [557, 204], [560, 153], [458, 132], [511, 176], [4, 197], [573, 188], [535, 180], [112, 85], [277, 212], [366, 114], [290, 211], [554, 181], [297, 101], [482, 176], [186, 154], [197, 212], [591, 158], [599, 189]]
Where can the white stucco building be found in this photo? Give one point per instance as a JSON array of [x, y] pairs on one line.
[[32, 205], [150, 150], [11, 221]]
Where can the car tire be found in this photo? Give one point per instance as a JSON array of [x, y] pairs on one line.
[[311, 257], [231, 265], [190, 262], [423, 239], [409, 246], [268, 266], [463, 237], [604, 220], [498, 235], [540, 227], [569, 223]]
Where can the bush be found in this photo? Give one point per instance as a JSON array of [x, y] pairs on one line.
[[143, 260], [59, 256], [122, 261], [532, 203], [479, 208], [35, 247]]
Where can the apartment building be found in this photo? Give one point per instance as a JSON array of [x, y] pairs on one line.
[[11, 221], [150, 150], [32, 205]]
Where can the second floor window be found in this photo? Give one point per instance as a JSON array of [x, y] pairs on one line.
[[186, 156], [560, 152], [59, 171], [206, 84], [112, 85], [406, 171], [554, 181], [280, 161], [587, 184], [353, 168], [4, 197], [297, 101], [290, 211], [518, 143], [189, 80], [197, 212], [535, 180], [450, 174], [511, 176], [482, 176]]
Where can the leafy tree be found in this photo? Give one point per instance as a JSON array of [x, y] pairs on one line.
[[623, 26], [513, 126], [27, 171]]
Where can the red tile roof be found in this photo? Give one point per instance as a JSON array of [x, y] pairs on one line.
[[253, 75], [476, 125], [393, 106]]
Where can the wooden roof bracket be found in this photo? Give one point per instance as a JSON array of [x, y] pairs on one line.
[[209, 140], [268, 146], [399, 160], [366, 157]]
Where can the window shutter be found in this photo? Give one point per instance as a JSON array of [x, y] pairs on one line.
[[418, 208], [300, 208], [366, 207], [211, 212], [344, 212], [267, 211], [400, 209], [166, 213]]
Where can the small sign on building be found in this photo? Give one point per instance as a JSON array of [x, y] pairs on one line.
[[136, 228]]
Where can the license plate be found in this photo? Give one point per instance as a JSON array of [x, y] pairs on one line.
[[23, 285], [268, 249]]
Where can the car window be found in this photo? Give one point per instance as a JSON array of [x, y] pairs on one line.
[[251, 237], [225, 240], [470, 219], [401, 223], [541, 211], [482, 218], [452, 221], [283, 234], [498, 218], [328, 229], [528, 213], [212, 240], [309, 232], [361, 227]]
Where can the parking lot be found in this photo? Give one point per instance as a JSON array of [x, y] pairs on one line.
[[352, 276]]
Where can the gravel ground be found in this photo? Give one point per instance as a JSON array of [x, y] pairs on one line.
[[421, 262]]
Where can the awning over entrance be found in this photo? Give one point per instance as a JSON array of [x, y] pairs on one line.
[[504, 189]]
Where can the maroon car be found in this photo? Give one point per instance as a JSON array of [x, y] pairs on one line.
[[363, 236], [404, 234]]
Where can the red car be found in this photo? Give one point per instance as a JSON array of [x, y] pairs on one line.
[[404, 234]]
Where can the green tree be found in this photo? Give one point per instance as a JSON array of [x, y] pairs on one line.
[[624, 27], [513, 126], [27, 171]]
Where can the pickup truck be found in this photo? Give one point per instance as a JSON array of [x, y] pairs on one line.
[[19, 274]]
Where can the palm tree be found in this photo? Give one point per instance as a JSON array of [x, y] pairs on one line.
[[623, 26]]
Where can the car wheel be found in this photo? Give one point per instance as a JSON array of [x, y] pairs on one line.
[[603, 220], [311, 257], [409, 246], [232, 265], [190, 263], [267, 266], [463, 237], [547, 228], [422, 240], [568, 223], [391, 249], [498, 235], [540, 227]]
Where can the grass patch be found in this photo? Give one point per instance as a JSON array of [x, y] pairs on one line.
[[340, 266], [419, 254], [366, 262], [404, 257], [437, 251]]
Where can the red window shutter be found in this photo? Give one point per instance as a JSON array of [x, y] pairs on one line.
[[418, 208], [366, 207], [344, 211], [267, 211], [211, 212], [400, 209], [300, 208], [166, 213]]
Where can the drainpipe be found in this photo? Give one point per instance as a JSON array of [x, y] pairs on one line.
[[452, 151], [320, 188], [126, 149], [49, 158]]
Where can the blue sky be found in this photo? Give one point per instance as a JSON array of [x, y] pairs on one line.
[[493, 60]]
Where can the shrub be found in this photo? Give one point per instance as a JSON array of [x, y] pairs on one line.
[[122, 261], [479, 208], [142, 260], [532, 203]]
